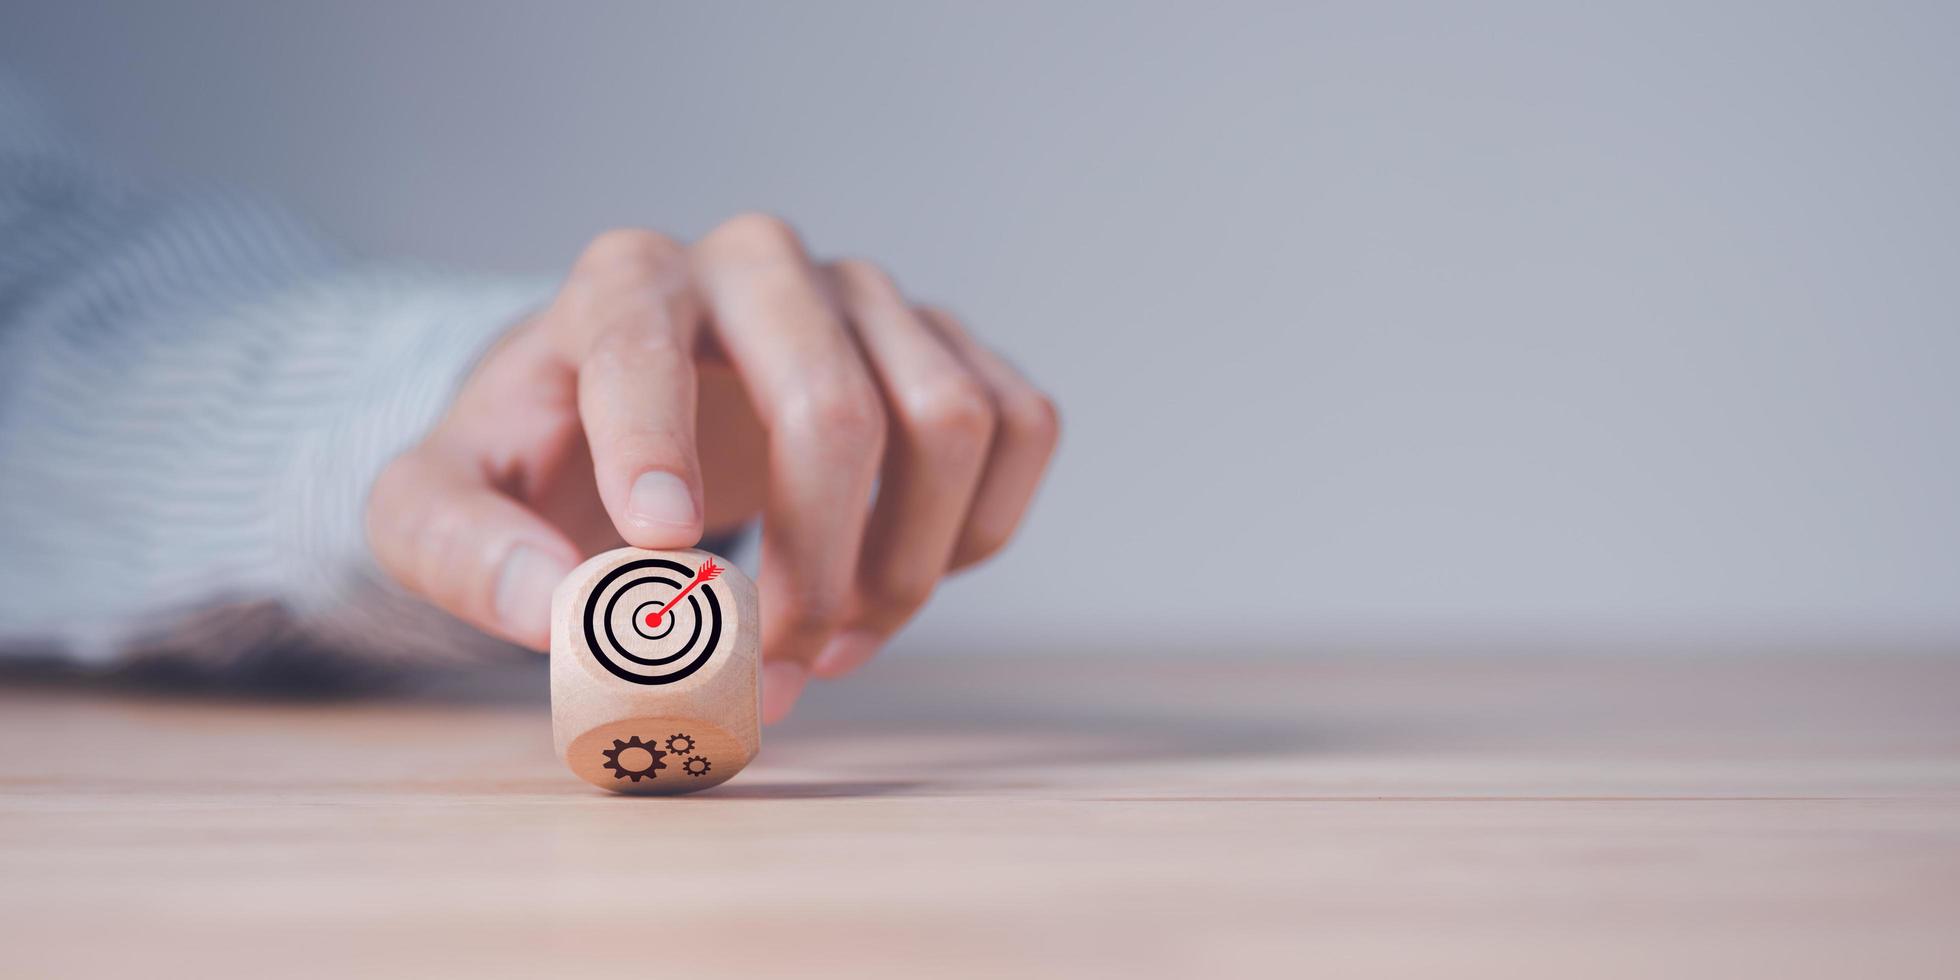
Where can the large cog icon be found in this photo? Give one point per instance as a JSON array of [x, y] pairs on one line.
[[633, 759]]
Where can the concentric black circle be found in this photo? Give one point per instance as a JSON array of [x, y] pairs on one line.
[[640, 621], [655, 649]]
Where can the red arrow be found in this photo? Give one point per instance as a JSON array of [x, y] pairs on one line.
[[708, 571]]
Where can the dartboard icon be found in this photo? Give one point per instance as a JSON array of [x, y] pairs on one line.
[[654, 620]]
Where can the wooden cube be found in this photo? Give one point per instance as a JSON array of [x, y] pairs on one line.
[[655, 672]]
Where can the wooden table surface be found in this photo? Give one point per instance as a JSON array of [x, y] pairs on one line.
[[1496, 816]]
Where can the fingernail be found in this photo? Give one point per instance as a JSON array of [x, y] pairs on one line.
[[847, 652], [782, 684], [524, 591], [660, 497]]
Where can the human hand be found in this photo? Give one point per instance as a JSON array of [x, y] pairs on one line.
[[673, 390]]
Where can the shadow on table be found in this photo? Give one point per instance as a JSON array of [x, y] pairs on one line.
[[970, 717], [815, 790], [954, 715]]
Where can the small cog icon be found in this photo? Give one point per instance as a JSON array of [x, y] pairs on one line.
[[696, 766], [680, 743], [633, 759]]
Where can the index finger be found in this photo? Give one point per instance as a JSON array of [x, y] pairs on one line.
[[629, 315]]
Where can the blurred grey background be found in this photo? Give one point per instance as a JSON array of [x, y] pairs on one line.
[[1404, 325]]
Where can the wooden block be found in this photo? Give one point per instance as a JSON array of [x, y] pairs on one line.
[[655, 671]]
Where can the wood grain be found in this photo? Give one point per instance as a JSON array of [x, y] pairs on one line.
[[987, 816]]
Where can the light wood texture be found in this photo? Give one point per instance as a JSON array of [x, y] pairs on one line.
[[989, 816], [698, 727]]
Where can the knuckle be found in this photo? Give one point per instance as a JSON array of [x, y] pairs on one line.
[[863, 274], [955, 411], [1034, 414], [943, 320], [624, 348], [754, 234], [636, 252], [847, 412], [441, 546]]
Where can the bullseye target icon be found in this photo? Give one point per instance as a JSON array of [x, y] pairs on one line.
[[654, 621]]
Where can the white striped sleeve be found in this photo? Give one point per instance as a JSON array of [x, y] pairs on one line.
[[190, 483], [195, 394]]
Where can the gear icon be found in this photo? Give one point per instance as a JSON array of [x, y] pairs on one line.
[[680, 743], [641, 759], [696, 766]]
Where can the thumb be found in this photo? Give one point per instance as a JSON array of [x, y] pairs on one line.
[[438, 528]]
